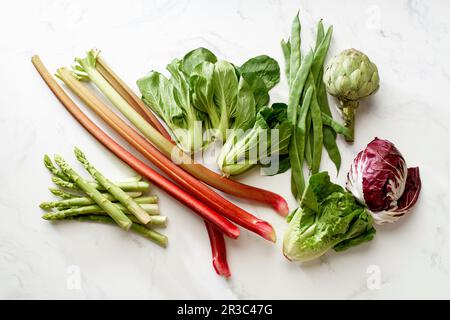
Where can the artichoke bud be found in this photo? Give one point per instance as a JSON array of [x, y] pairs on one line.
[[350, 76]]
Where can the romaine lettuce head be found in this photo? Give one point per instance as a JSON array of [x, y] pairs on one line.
[[328, 217]]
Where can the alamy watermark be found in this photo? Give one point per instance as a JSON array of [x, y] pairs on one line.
[[73, 281], [373, 281]]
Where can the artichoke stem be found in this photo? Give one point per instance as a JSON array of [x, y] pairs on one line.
[[348, 113]]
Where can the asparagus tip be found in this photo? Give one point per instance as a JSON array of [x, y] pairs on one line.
[[47, 216], [44, 205]]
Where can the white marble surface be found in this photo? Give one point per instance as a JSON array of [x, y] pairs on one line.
[[409, 41]]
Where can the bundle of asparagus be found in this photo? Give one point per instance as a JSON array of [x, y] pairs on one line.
[[102, 200]]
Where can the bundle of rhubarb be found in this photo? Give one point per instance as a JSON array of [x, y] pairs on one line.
[[190, 179], [102, 200]]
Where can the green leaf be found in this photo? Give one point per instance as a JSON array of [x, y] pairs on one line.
[[284, 164], [259, 89], [245, 107], [225, 86], [195, 57], [262, 67], [243, 151], [156, 92], [368, 235], [181, 85], [202, 91], [328, 217]]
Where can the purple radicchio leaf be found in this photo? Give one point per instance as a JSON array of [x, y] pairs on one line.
[[379, 179]]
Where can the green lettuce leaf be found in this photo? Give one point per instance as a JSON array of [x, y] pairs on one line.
[[328, 217]]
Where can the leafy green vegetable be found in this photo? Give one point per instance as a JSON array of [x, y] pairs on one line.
[[171, 101], [225, 86], [328, 217], [258, 145], [245, 113], [259, 89], [202, 91], [193, 58], [264, 68], [207, 94]]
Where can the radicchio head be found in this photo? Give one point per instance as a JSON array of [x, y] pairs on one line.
[[379, 179]]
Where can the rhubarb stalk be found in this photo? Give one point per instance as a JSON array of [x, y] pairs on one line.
[[197, 206], [217, 241], [130, 96], [86, 70], [219, 251], [198, 189]]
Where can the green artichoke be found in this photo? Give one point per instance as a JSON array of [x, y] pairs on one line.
[[351, 76]]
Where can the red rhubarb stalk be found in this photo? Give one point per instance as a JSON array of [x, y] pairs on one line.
[[197, 206], [195, 187], [219, 251], [168, 149], [216, 239]]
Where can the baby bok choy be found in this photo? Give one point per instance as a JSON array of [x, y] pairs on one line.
[[328, 218], [263, 144], [170, 99], [214, 95]]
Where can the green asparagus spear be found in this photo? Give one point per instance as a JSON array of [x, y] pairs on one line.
[[125, 186], [63, 194], [119, 217], [114, 190], [150, 208], [84, 201], [154, 236], [58, 173], [51, 167], [157, 220]]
